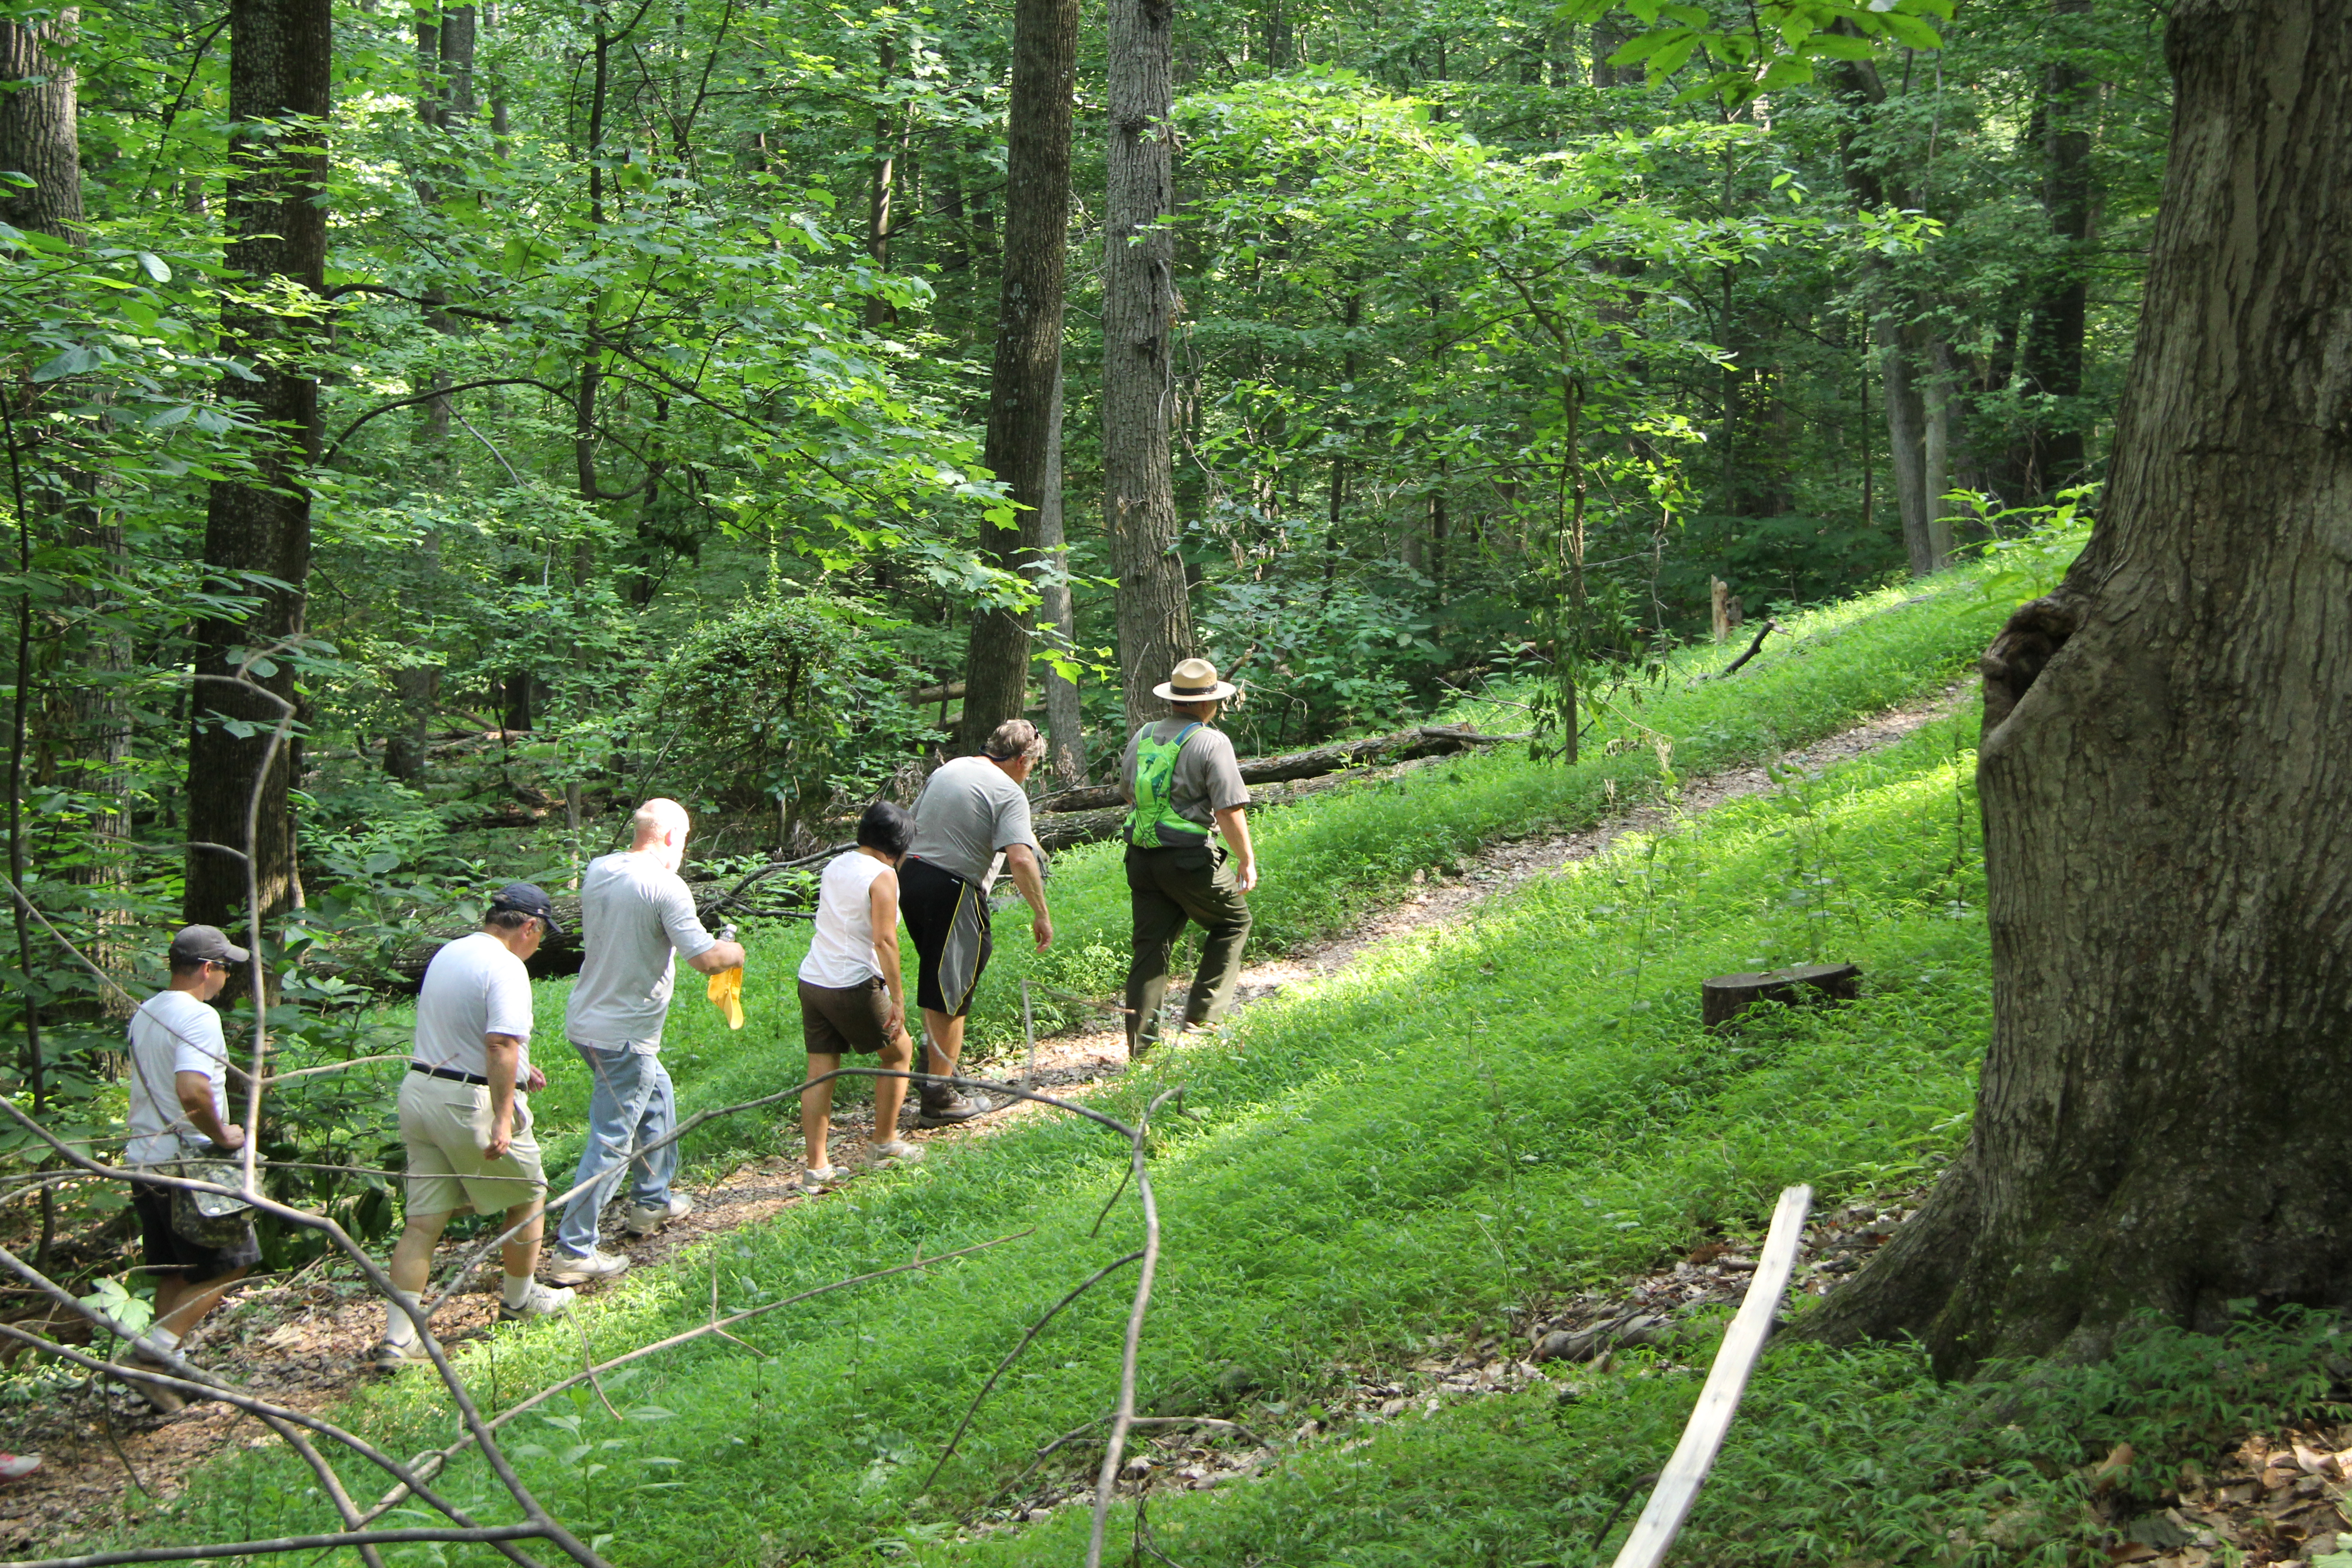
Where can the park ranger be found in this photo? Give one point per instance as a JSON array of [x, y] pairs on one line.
[[1183, 780]]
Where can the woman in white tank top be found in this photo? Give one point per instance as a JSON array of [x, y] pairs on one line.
[[852, 997]]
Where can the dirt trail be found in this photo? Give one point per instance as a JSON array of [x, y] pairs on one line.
[[300, 1341]]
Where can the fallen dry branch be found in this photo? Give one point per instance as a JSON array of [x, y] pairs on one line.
[[1108, 1480], [430, 1465], [1404, 746], [1014, 1354], [490, 1534]]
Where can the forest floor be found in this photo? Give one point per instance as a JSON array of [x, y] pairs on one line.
[[303, 1340]]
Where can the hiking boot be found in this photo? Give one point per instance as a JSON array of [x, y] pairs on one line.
[[388, 1357], [897, 1152], [816, 1178], [538, 1301], [566, 1269], [644, 1221], [946, 1108]]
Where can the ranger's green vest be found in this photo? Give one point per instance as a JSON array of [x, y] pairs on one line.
[[1154, 823]]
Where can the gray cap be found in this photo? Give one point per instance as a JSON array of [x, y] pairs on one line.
[[205, 945]]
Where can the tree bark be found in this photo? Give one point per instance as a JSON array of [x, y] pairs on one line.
[[1066, 734], [1937, 403], [2052, 456], [280, 70], [1155, 617], [1907, 438], [86, 731], [1024, 389], [2172, 941], [39, 136]]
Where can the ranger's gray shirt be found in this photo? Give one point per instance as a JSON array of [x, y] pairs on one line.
[[969, 811], [635, 918], [1208, 776]]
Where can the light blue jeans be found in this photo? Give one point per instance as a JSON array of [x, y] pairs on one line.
[[630, 1106]]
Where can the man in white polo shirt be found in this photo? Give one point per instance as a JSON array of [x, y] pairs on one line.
[[636, 920], [464, 1116]]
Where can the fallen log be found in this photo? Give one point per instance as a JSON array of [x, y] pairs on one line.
[[1405, 745], [1064, 821]]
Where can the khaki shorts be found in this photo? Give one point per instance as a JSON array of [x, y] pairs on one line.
[[444, 1124]]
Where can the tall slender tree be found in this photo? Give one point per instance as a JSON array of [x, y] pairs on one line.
[[2172, 941], [1024, 404], [2052, 357], [257, 529], [1155, 618]]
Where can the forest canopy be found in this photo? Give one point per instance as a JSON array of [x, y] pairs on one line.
[[537, 408]]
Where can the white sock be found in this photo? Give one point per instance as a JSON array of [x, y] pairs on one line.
[[160, 1340], [517, 1289], [398, 1328]]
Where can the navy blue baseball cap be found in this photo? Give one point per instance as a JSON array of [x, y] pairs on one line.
[[526, 898]]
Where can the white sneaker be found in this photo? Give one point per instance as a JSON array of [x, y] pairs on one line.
[[645, 1221], [390, 1357], [566, 1269], [897, 1152], [538, 1301], [16, 1467], [816, 1178]]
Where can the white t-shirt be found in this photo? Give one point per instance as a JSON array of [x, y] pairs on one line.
[[636, 917], [474, 986], [171, 1034], [842, 952]]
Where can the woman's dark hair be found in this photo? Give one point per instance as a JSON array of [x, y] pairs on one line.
[[888, 827]]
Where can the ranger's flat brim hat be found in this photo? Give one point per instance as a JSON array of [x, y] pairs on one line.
[[1195, 681]]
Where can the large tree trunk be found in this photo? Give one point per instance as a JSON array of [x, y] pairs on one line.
[[2172, 940], [1024, 391], [280, 63], [1155, 618], [2053, 447]]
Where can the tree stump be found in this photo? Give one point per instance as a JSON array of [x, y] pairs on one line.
[[1724, 998]]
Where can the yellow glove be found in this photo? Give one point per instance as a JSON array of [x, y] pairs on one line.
[[726, 989]]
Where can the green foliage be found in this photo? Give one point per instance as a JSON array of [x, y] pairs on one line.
[[790, 700]]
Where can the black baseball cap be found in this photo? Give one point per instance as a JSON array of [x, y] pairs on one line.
[[526, 898], [205, 945]]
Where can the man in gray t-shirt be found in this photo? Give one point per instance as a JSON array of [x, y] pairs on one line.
[[972, 810], [1185, 785], [636, 919]]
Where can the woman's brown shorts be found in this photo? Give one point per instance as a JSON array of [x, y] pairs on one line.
[[839, 1021]]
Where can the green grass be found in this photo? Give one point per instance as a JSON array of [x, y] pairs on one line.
[[1330, 857], [1461, 1123], [1521, 1105]]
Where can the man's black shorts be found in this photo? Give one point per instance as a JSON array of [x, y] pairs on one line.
[[838, 1020], [948, 918], [168, 1250]]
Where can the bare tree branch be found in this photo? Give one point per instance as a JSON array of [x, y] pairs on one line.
[[1014, 1354], [1106, 1481]]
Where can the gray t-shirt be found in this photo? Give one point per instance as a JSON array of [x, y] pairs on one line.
[[969, 811], [1208, 775], [635, 918]]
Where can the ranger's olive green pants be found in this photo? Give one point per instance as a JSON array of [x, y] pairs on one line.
[[1168, 886]]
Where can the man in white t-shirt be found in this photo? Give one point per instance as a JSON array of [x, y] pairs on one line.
[[637, 919], [179, 1105], [464, 1117]]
